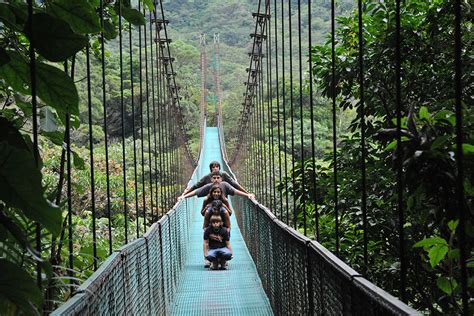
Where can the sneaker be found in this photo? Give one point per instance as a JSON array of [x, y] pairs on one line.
[[223, 264], [214, 265], [207, 263]]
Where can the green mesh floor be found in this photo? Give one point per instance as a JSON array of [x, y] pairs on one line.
[[237, 291]]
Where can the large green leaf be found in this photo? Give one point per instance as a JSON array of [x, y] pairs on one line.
[[53, 38], [149, 4], [54, 86], [80, 15], [430, 242], [109, 30], [467, 148], [437, 254], [57, 89], [446, 285], [18, 287], [16, 73], [133, 16], [424, 113], [20, 180]]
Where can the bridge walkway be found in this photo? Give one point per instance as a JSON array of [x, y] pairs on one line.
[[236, 291]]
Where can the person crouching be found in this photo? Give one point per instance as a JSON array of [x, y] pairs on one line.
[[217, 248]]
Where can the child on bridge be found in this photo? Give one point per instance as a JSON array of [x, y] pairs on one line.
[[217, 248], [217, 208]]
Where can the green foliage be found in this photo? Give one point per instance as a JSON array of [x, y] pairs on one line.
[[427, 151], [80, 15], [54, 38], [20, 180], [26, 296], [133, 16], [57, 33]]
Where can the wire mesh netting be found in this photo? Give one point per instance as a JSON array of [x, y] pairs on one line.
[[139, 278], [301, 277]]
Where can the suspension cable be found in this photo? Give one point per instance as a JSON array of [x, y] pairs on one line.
[[106, 142], [271, 141], [311, 107], [132, 93], [399, 162], [277, 87], [122, 110], [300, 63], [147, 104], [142, 122], [68, 183], [153, 98], [292, 110], [91, 155], [334, 127], [160, 92], [458, 71], [362, 134], [285, 147]]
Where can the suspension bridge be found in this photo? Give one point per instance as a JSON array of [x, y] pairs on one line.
[[162, 272], [279, 267]]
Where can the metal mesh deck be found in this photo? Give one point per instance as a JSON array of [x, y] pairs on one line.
[[237, 291]]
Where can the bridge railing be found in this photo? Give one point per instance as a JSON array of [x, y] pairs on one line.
[[301, 277], [141, 277]]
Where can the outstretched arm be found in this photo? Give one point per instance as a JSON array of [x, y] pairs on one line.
[[184, 196], [227, 178], [202, 182], [241, 193]]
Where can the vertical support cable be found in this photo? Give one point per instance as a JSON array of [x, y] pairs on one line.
[[142, 121], [362, 134], [285, 147], [68, 181], [147, 91], [161, 102], [165, 134], [300, 63], [91, 153], [34, 107], [271, 139], [311, 108], [104, 99], [158, 104], [166, 139], [277, 87], [122, 110], [459, 152], [132, 95], [292, 111], [263, 150], [399, 163], [334, 135], [153, 82], [258, 134]]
